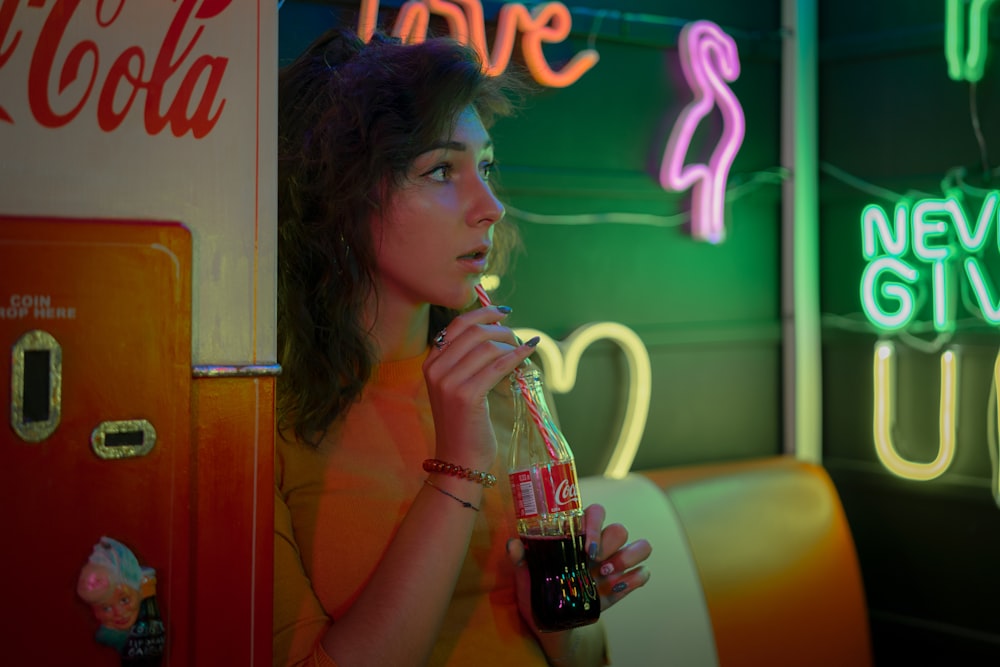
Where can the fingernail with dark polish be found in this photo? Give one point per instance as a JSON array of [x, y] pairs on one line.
[[506, 310], [619, 587], [592, 552], [533, 342]]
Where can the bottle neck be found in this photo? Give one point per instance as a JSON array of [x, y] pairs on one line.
[[534, 422], [527, 384]]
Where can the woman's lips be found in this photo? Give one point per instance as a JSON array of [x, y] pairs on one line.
[[475, 260]]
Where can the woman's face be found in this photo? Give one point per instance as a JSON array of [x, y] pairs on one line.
[[432, 243]]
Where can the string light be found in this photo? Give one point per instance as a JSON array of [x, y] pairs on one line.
[[739, 187]]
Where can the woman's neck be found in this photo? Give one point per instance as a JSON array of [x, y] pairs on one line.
[[400, 331]]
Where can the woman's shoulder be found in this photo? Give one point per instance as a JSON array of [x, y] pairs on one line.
[[294, 456]]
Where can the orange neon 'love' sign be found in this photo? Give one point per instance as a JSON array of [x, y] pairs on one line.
[[548, 22]]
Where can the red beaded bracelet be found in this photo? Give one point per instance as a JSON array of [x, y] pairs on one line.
[[484, 478]]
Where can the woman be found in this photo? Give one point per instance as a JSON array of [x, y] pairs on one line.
[[387, 220]]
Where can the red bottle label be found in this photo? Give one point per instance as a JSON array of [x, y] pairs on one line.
[[559, 483], [555, 486], [524, 494]]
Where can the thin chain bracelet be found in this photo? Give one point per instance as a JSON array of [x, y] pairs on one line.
[[477, 476], [465, 503]]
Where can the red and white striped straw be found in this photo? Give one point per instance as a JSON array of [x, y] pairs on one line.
[[484, 298], [484, 301], [536, 417]]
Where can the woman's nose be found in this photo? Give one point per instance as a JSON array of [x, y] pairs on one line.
[[487, 209]]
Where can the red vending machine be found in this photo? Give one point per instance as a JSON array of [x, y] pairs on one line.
[[137, 244]]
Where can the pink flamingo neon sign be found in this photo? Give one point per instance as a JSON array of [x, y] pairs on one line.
[[710, 60]]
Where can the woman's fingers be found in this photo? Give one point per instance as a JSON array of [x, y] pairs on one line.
[[617, 563], [612, 593], [469, 357], [613, 537], [473, 353], [622, 572], [474, 365], [625, 558], [481, 316], [593, 523], [515, 551]]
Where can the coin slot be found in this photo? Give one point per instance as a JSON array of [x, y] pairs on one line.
[[123, 439], [37, 389], [36, 386]]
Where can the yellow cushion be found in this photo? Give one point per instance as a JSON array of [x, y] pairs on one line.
[[776, 561]]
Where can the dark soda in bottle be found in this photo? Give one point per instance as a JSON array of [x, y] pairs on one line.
[[543, 484]]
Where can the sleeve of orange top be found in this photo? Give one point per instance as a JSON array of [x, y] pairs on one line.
[[299, 618]]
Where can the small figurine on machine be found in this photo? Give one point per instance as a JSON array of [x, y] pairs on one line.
[[122, 595]]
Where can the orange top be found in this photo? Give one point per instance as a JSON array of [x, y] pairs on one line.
[[361, 482]]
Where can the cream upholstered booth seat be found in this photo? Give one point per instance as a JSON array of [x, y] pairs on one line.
[[667, 621], [753, 565]]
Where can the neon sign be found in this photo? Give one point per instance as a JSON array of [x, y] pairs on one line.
[[934, 232], [969, 67], [885, 414], [928, 237], [709, 59], [546, 23]]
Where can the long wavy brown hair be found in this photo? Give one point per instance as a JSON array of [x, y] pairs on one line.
[[352, 118]]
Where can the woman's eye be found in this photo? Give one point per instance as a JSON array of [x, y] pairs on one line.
[[487, 169], [440, 172]]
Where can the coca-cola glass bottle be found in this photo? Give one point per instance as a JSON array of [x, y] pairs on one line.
[[549, 513]]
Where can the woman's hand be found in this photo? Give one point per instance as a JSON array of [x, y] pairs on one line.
[[616, 565], [469, 357]]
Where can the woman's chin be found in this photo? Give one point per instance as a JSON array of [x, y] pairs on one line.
[[460, 300]]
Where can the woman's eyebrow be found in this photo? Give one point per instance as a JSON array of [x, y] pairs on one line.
[[455, 145]]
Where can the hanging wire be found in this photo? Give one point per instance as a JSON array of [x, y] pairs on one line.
[[595, 28], [978, 131], [992, 444], [570, 219], [739, 188]]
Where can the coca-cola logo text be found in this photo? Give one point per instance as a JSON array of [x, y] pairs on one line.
[[565, 493], [194, 106]]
